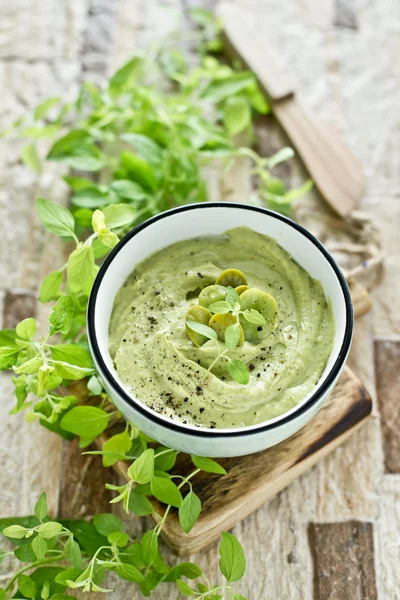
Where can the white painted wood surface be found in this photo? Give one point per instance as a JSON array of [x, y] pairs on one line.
[[345, 58]]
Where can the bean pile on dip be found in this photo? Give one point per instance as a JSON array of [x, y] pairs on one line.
[[162, 366]]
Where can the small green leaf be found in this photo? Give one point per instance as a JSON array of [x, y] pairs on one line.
[[26, 586], [125, 75], [67, 371], [107, 523], [95, 387], [139, 171], [232, 336], [15, 531], [8, 357], [98, 221], [130, 190], [237, 114], [30, 366], [8, 337], [39, 547], [72, 354], [165, 490], [118, 444], [129, 573], [142, 469], [202, 329], [78, 183], [300, 191], [119, 538], [81, 269], [41, 507], [26, 329], [45, 593], [232, 559], [108, 238], [119, 215], [208, 465], [78, 151], [43, 108], [189, 511], [85, 421], [140, 505], [44, 378], [31, 158], [92, 197], [282, 155], [221, 307], [186, 569], [258, 100], [49, 529], [145, 147], [62, 316], [150, 546], [185, 589], [71, 574], [238, 371], [74, 553], [57, 219], [166, 460], [50, 288], [232, 296], [25, 553], [253, 316], [224, 88]]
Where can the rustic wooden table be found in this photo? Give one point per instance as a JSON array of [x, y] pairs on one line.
[[335, 532]]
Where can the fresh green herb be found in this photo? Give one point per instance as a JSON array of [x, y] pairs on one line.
[[61, 550], [230, 312], [139, 152]]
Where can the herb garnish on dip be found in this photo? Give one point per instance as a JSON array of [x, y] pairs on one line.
[[221, 332]]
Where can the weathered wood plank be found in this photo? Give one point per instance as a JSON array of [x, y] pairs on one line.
[[18, 305], [251, 480], [387, 361], [337, 75], [82, 484], [343, 560]]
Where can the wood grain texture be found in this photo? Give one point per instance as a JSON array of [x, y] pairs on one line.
[[253, 479], [339, 77], [18, 305], [387, 364], [82, 484], [334, 169], [343, 561]]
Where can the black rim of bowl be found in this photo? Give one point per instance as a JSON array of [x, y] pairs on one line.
[[203, 432]]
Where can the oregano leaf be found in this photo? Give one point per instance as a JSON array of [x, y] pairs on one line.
[[232, 336], [202, 329], [232, 559], [57, 219], [238, 371]]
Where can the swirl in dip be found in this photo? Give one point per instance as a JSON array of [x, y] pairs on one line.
[[159, 364]]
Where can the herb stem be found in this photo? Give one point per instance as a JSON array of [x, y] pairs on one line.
[[32, 566]]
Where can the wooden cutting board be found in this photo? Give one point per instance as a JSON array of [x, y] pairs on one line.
[[333, 167], [252, 480]]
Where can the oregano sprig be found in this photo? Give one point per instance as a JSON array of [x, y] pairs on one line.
[[139, 151]]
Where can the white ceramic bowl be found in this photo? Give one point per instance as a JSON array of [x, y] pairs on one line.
[[202, 220]]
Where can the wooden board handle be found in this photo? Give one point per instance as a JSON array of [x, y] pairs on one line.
[[333, 167], [241, 37]]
